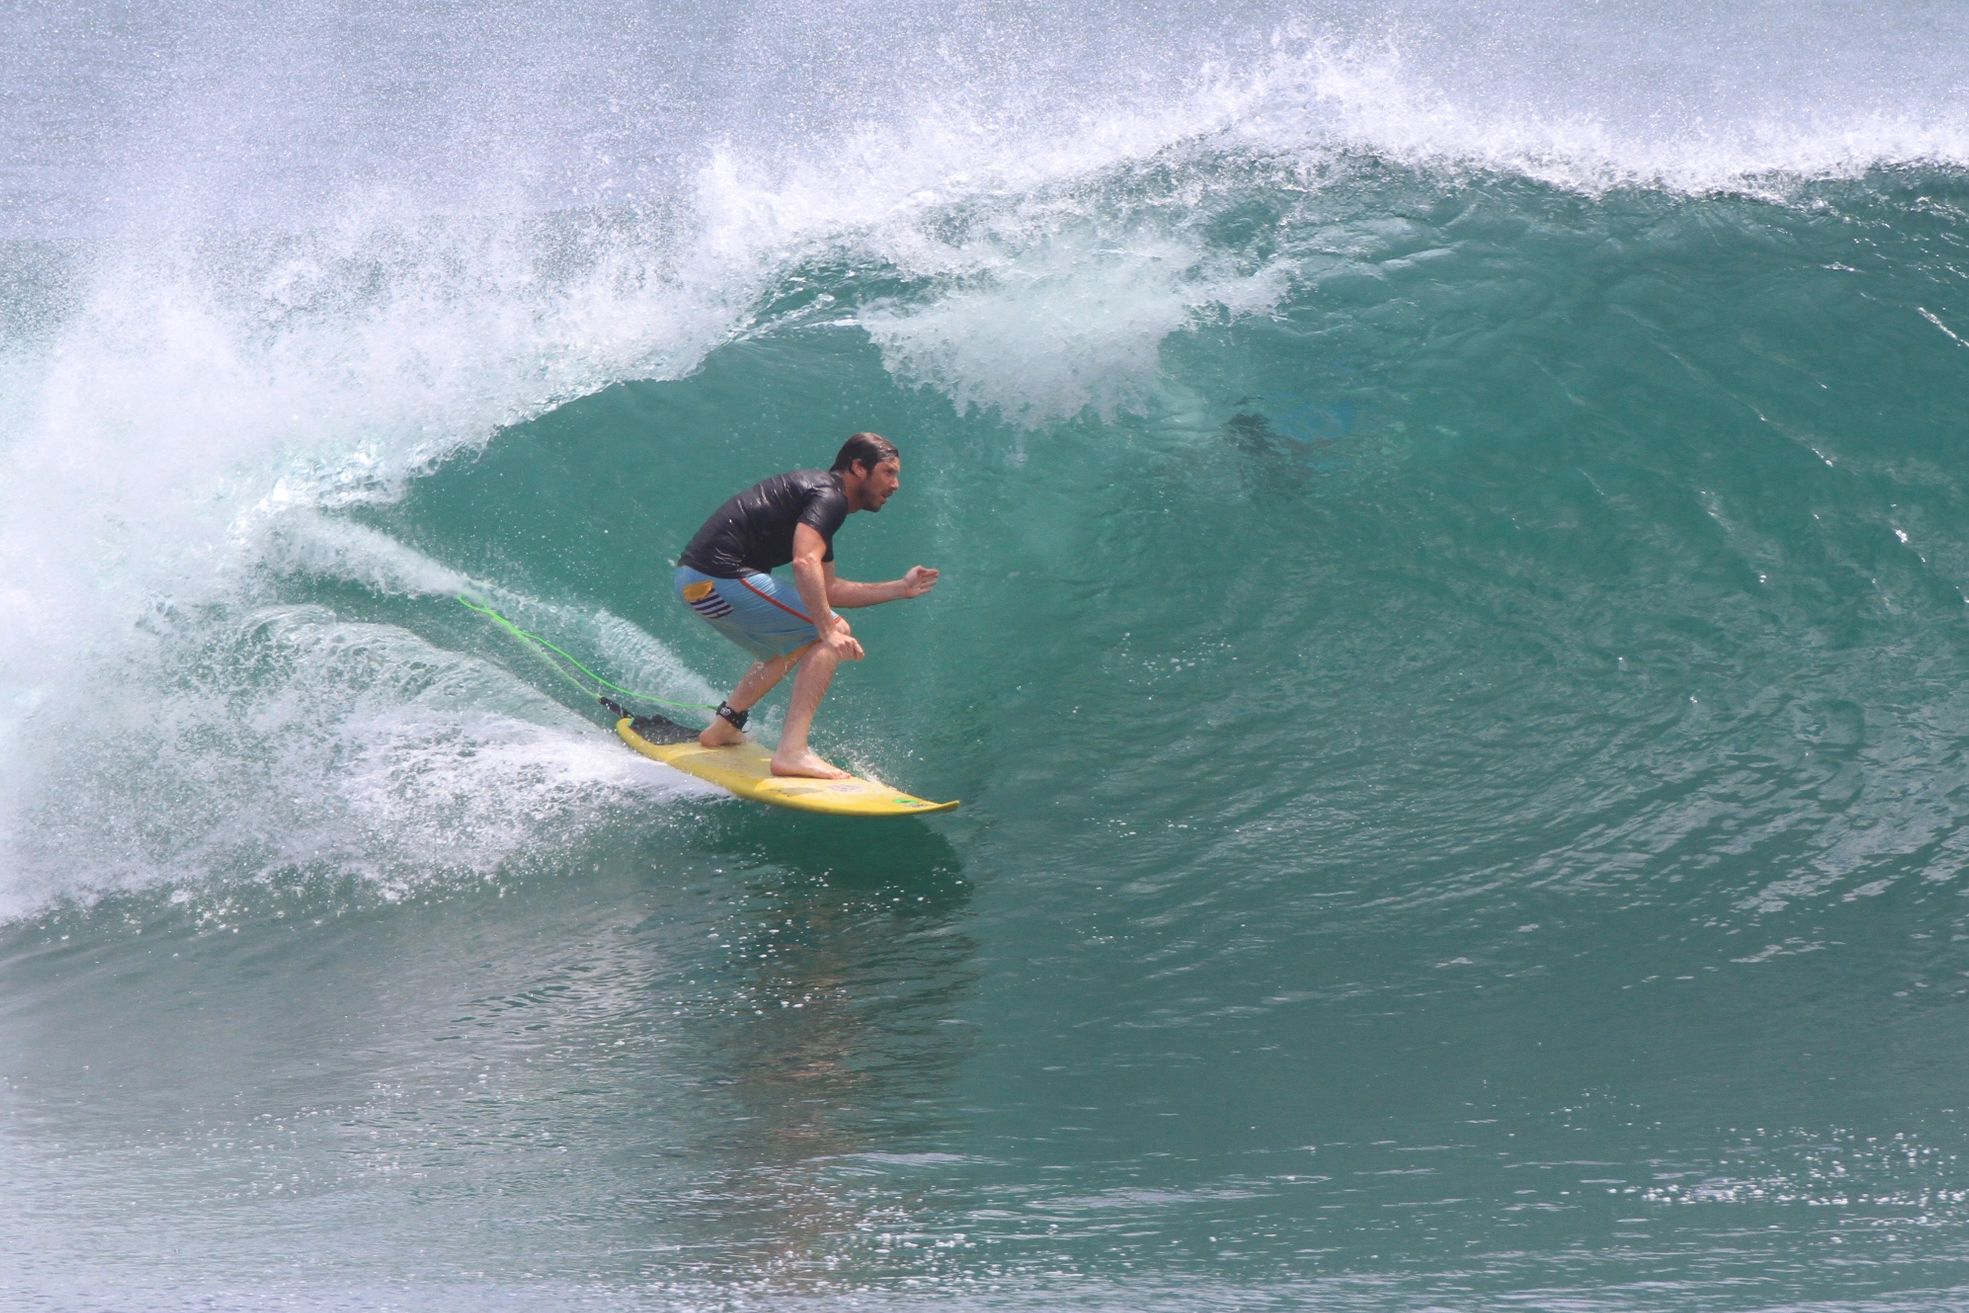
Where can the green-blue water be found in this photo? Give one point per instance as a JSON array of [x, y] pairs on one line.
[[1451, 643]]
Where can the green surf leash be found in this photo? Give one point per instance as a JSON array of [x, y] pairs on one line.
[[553, 656]]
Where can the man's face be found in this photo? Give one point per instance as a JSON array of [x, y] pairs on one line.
[[881, 484]]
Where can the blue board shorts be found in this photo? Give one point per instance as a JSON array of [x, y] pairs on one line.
[[760, 613]]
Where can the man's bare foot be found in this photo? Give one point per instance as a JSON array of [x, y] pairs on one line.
[[721, 734], [807, 765]]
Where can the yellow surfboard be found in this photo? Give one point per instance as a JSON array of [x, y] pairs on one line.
[[746, 770]]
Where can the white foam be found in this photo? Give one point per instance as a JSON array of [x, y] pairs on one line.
[[1073, 326], [1686, 135], [311, 543], [295, 743], [322, 546]]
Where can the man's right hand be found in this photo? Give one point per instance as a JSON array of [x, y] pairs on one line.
[[841, 641]]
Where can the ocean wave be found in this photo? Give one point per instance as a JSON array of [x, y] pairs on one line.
[[1384, 206]]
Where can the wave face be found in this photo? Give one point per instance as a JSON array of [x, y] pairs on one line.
[[1451, 643]]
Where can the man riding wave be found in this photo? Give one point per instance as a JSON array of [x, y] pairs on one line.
[[725, 576]]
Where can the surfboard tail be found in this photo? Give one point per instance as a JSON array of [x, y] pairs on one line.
[[651, 729]]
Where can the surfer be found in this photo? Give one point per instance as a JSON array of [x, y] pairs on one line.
[[725, 575]]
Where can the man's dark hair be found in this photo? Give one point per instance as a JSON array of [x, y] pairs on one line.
[[869, 449]]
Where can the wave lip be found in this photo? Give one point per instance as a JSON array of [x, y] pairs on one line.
[[1692, 140]]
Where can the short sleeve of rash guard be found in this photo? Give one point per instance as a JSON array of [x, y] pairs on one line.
[[824, 513]]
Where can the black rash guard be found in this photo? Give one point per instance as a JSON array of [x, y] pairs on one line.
[[754, 530]]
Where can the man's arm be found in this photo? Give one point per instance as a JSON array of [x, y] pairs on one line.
[[845, 593], [812, 576]]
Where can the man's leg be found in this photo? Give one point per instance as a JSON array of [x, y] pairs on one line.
[[810, 682], [757, 682]]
